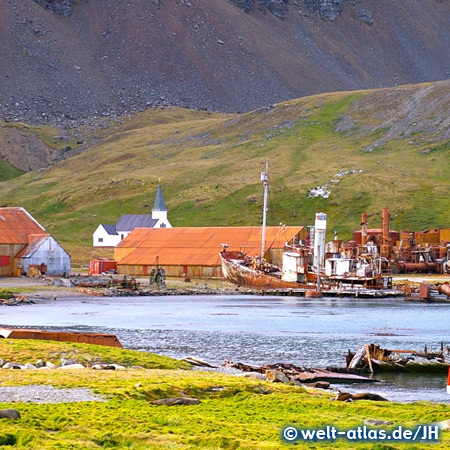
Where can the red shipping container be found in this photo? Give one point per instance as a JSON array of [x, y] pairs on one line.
[[99, 266]]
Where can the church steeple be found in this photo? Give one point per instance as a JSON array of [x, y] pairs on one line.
[[160, 204], [159, 210]]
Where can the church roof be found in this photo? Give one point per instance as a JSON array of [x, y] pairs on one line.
[[129, 222], [110, 229], [159, 204]]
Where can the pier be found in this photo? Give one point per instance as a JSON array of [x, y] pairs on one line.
[[356, 293]]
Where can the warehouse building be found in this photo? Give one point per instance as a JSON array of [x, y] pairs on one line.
[[25, 246], [194, 251]]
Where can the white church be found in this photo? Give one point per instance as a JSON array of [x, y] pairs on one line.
[[110, 235]]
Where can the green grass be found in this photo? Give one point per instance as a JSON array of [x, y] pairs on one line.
[[210, 166], [24, 350], [234, 413], [8, 172]]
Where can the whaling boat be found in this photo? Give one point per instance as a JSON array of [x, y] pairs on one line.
[[243, 271], [317, 267]]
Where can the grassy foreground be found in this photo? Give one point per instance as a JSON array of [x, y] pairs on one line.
[[234, 412]]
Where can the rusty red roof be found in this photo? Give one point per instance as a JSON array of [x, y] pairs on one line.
[[34, 242], [198, 245], [16, 224]]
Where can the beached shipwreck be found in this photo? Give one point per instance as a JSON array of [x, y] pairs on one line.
[[312, 264], [364, 263], [372, 358]]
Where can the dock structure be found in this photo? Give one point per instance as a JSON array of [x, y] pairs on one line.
[[355, 293]]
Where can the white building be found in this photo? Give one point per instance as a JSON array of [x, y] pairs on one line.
[[44, 253], [110, 235]]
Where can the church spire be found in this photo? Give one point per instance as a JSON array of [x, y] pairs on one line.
[[160, 204]]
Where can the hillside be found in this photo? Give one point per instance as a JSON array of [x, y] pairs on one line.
[[65, 62], [342, 153]]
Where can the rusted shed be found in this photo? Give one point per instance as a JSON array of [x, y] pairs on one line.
[[193, 251], [16, 224], [24, 243]]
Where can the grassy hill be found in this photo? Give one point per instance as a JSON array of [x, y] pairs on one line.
[[369, 149], [7, 171]]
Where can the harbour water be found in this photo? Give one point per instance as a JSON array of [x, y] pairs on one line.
[[259, 330]]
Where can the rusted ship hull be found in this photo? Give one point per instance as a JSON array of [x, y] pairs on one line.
[[237, 272], [109, 340]]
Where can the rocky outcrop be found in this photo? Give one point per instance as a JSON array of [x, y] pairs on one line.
[[12, 414], [325, 9], [61, 7], [278, 8], [113, 58]]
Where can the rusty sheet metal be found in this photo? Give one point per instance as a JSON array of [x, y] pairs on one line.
[[197, 245], [34, 241], [376, 232], [444, 235], [431, 237], [109, 340], [16, 225], [444, 289]]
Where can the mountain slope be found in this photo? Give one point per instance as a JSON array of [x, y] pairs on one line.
[[343, 153], [81, 59]]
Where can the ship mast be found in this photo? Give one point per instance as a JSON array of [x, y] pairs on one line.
[[265, 181]]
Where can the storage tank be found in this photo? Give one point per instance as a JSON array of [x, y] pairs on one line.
[[320, 228]]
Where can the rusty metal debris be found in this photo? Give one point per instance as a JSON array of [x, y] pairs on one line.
[[109, 340]]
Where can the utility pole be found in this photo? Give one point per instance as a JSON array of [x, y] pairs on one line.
[[265, 181]]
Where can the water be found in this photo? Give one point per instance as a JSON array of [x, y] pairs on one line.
[[258, 330]]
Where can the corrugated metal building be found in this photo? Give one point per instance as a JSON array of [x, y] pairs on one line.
[[44, 250], [194, 251], [23, 241]]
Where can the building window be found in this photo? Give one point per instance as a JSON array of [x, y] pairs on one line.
[[100, 239], [163, 225], [122, 236]]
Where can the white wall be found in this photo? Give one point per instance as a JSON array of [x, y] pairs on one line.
[[102, 239], [163, 221], [52, 255]]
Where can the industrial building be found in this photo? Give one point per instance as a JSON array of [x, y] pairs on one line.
[[194, 251], [24, 245]]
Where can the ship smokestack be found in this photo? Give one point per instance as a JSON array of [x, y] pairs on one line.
[[364, 228], [386, 245], [320, 228]]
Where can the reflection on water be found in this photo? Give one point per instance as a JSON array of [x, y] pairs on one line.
[[312, 333]]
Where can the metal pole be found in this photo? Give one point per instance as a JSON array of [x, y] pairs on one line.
[[264, 179], [318, 272]]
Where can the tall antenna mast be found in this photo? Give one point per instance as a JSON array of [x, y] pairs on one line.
[[265, 181]]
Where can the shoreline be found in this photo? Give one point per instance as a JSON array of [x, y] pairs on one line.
[[47, 289]]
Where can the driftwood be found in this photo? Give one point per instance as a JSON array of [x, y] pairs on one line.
[[373, 358], [300, 375]]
